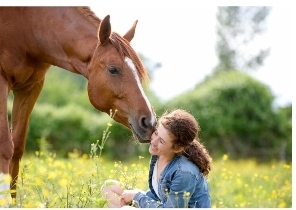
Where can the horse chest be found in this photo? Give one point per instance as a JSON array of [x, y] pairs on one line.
[[25, 75]]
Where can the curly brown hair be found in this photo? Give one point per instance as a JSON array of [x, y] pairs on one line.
[[185, 129]]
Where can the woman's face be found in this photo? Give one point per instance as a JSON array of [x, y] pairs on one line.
[[162, 142]]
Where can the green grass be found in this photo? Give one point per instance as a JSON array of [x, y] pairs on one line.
[[245, 183], [74, 182], [49, 181]]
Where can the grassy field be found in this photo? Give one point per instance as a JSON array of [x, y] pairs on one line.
[[49, 181]]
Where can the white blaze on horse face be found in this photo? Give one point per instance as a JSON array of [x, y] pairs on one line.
[[133, 68]]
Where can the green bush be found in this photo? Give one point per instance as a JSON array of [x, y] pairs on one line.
[[235, 112], [121, 144], [65, 128], [285, 132], [236, 115], [71, 127], [62, 87]]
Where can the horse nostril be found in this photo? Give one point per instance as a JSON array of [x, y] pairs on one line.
[[147, 123], [144, 123]]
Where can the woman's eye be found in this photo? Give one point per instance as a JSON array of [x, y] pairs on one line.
[[113, 70]]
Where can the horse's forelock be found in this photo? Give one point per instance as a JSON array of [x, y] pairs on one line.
[[125, 49]]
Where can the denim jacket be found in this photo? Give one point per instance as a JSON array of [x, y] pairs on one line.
[[181, 185]]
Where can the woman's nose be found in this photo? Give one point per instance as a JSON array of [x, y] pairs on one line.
[[153, 139], [152, 136]]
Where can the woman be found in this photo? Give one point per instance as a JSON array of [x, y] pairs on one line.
[[178, 170]]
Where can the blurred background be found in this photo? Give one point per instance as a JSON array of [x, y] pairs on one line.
[[229, 66]]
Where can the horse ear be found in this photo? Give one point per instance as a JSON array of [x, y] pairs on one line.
[[104, 30], [130, 34]]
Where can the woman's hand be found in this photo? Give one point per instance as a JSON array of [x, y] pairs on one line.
[[128, 195]]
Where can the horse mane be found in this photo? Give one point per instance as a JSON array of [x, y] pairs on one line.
[[125, 49], [90, 15], [122, 45]]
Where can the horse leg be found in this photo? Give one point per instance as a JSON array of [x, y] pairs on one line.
[[23, 104], [6, 144]]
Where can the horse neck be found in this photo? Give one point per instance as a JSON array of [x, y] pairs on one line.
[[68, 39]]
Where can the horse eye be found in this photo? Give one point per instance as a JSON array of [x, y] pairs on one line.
[[113, 70]]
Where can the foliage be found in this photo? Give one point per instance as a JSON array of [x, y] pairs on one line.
[[285, 131], [62, 87], [236, 29], [245, 183], [62, 129], [236, 115], [233, 109], [50, 181], [122, 145]]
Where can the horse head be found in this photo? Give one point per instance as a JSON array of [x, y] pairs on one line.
[[115, 82]]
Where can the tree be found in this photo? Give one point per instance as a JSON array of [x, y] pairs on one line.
[[237, 28], [237, 117]]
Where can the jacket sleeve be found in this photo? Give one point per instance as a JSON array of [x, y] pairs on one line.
[[144, 201], [177, 193]]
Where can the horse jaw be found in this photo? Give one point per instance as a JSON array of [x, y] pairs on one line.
[[140, 134], [137, 136]]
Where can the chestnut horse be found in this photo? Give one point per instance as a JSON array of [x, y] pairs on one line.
[[73, 38]]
